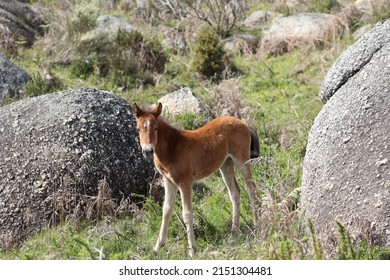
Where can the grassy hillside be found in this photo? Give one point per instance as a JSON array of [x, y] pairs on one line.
[[280, 94]]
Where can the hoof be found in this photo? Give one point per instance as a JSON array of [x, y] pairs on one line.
[[192, 252], [235, 230]]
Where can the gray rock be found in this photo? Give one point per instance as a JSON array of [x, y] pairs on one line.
[[346, 171], [257, 19], [240, 44], [355, 58], [107, 27], [112, 23], [288, 33], [72, 154], [12, 80], [18, 20], [181, 101]]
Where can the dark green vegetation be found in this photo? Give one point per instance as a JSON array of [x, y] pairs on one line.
[[209, 55], [279, 94]]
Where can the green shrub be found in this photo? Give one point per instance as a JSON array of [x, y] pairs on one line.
[[126, 58], [82, 21], [82, 68], [362, 251], [316, 244], [325, 6], [189, 120], [39, 85], [147, 53], [209, 55], [345, 250]]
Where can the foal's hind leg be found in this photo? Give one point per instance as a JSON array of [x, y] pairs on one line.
[[246, 173], [169, 200], [227, 171]]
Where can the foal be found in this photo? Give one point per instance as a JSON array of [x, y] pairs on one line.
[[184, 156]]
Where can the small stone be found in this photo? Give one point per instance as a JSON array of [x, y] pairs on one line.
[[346, 139], [382, 162]]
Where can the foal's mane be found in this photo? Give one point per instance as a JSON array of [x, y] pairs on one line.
[[175, 128]]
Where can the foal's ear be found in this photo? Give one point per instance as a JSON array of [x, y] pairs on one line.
[[157, 111], [137, 110]]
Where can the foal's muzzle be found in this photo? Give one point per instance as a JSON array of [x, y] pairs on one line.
[[148, 153]]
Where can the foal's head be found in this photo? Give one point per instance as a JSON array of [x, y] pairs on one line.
[[147, 125]]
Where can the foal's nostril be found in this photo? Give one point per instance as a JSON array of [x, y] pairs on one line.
[[148, 153]]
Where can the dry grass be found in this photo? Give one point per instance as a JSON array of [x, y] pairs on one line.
[[372, 7], [280, 218], [226, 100], [7, 42], [277, 42], [68, 205]]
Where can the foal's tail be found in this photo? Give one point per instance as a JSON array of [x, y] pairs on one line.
[[255, 144]]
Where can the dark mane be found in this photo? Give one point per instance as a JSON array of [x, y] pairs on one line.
[[175, 128]]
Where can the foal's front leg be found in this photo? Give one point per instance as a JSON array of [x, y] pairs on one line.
[[188, 216], [169, 200]]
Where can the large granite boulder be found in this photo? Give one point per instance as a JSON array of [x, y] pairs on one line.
[[355, 59], [13, 80], [257, 19], [67, 155], [346, 173], [19, 21], [301, 30]]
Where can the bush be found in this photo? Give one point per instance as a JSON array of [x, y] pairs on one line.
[[209, 57], [40, 85], [220, 15], [122, 57], [189, 120], [126, 58]]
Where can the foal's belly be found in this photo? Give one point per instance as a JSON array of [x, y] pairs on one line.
[[206, 166]]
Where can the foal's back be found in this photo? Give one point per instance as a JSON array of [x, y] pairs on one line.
[[207, 148], [227, 131]]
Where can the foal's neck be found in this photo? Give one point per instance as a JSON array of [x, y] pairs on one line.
[[168, 136]]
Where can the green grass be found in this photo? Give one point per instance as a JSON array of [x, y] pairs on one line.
[[282, 94], [283, 98]]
